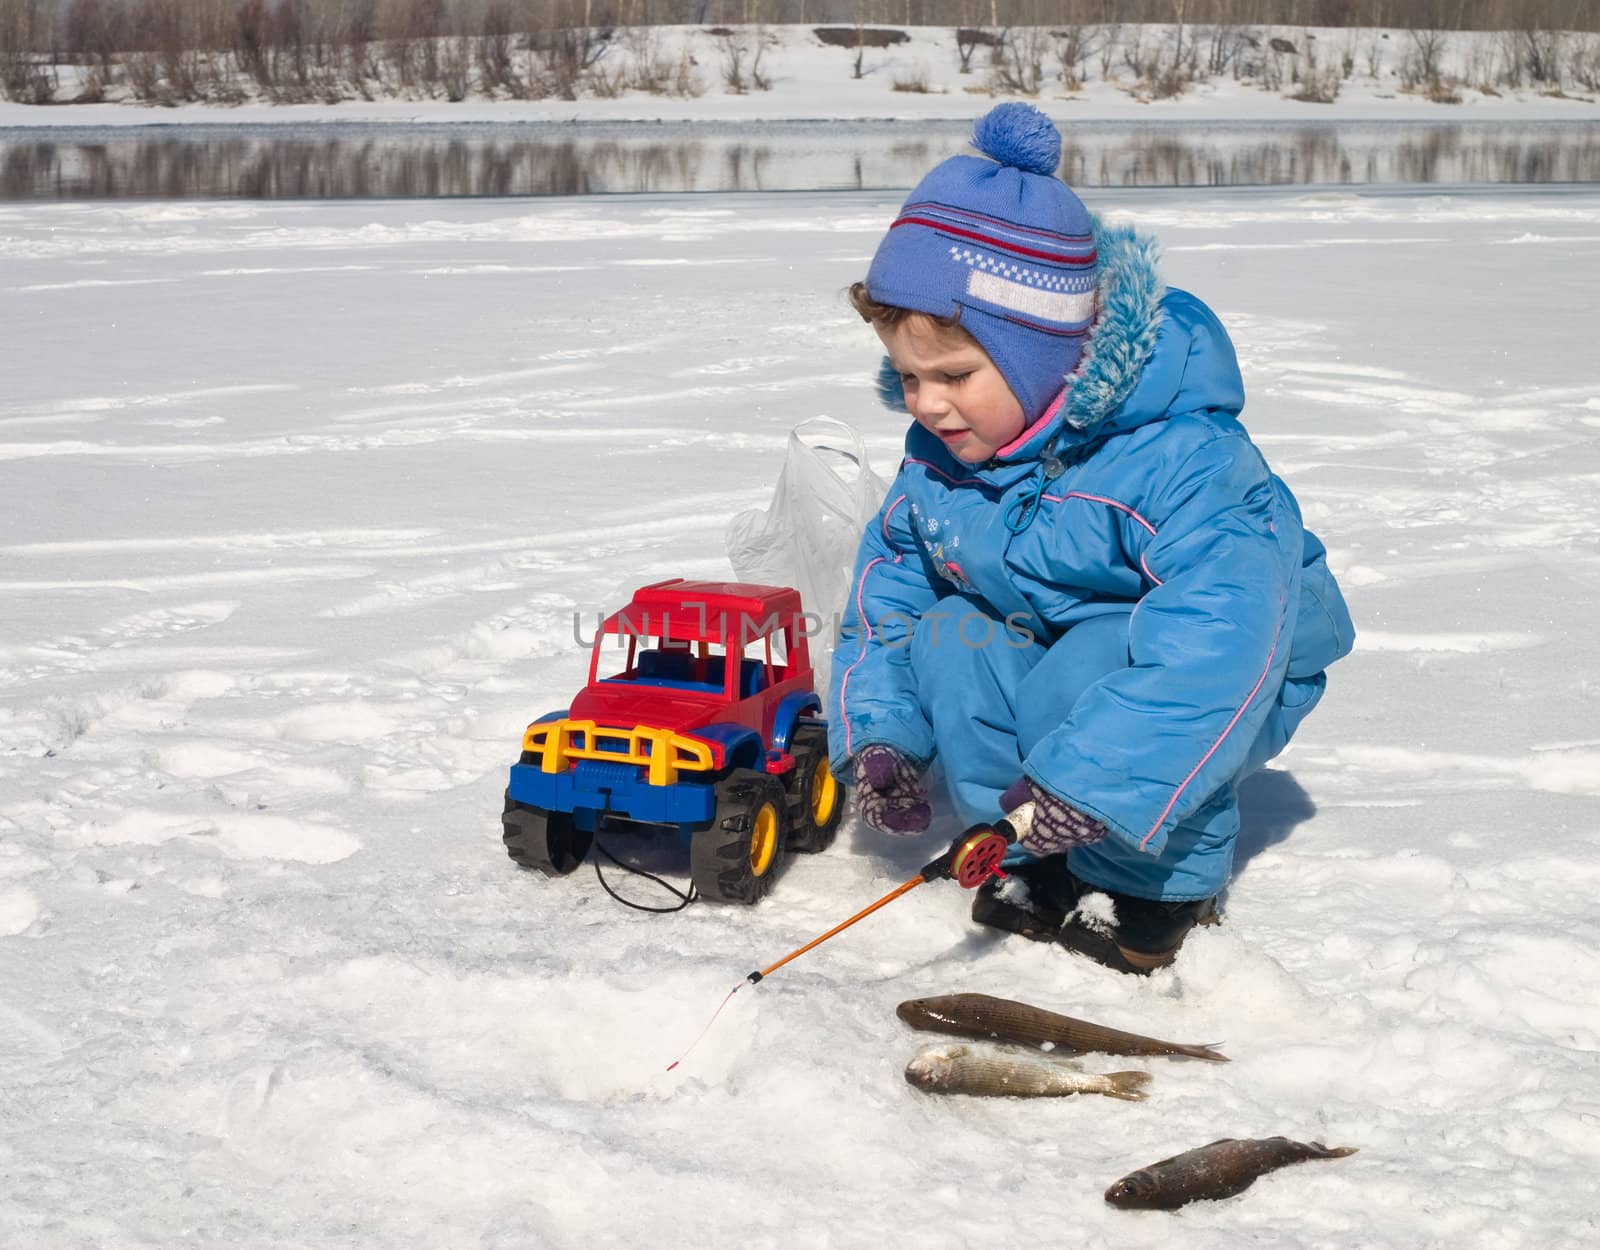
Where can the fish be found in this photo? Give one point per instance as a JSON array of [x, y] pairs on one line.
[[1218, 1170], [984, 1017], [993, 1073]]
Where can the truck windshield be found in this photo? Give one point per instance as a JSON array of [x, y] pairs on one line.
[[702, 669]]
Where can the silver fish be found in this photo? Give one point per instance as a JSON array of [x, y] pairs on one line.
[[990, 1073]]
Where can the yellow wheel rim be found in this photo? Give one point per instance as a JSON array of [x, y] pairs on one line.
[[824, 794], [764, 840]]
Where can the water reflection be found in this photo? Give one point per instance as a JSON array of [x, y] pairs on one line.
[[358, 161]]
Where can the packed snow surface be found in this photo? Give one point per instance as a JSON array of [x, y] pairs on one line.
[[300, 502]]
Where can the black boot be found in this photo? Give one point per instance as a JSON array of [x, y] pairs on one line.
[[1033, 899], [1146, 936]]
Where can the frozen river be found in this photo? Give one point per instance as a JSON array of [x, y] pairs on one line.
[[342, 160]]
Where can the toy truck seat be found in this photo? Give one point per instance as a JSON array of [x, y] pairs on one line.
[[752, 675], [665, 666]]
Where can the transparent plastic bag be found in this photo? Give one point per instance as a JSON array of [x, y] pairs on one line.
[[808, 538]]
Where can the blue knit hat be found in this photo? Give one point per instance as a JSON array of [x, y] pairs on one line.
[[1003, 242]]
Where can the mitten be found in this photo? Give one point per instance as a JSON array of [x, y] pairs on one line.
[[889, 791], [1056, 826]]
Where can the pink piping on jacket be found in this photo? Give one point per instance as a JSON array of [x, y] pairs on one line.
[[861, 612], [954, 481], [1110, 503], [1249, 698], [887, 513], [1120, 507]]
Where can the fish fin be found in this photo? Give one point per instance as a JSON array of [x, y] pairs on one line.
[[1204, 1050], [1128, 1085], [1335, 1152]]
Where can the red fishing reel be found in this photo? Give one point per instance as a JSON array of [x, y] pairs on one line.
[[977, 857]]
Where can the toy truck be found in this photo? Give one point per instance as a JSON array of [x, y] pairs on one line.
[[711, 728]]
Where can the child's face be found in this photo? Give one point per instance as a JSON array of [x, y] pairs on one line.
[[952, 388]]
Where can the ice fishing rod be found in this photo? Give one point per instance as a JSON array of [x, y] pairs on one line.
[[971, 859]]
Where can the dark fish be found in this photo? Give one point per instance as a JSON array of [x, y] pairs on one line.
[[986, 1018], [1220, 1170], [991, 1073]]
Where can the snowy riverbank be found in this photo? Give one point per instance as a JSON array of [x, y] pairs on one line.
[[812, 81]]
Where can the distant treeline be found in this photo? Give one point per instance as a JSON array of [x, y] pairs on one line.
[[291, 51], [93, 27]]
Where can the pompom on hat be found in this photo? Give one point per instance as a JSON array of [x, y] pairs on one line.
[[1000, 240]]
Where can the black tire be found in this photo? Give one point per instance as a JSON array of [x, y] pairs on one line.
[[736, 858], [816, 800], [547, 842]]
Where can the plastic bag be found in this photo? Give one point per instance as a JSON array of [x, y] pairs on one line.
[[826, 495]]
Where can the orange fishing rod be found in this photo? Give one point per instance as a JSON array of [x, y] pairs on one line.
[[971, 860]]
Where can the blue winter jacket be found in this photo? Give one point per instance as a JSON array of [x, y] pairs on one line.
[[1141, 491]]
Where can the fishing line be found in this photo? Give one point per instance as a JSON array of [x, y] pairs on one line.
[[707, 1029]]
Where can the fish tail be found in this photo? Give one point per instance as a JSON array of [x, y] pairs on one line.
[[1334, 1152], [1204, 1050], [1127, 1085]]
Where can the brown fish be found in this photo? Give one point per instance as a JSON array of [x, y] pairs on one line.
[[1219, 1170], [994, 1073], [986, 1018]]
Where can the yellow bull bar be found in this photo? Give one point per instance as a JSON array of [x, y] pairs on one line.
[[663, 753]]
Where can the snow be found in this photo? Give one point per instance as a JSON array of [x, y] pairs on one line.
[[814, 81], [300, 502]]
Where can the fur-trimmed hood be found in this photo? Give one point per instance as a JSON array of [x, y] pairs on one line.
[[1138, 363], [1124, 335]]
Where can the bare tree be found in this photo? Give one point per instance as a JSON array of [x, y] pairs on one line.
[[90, 32], [1319, 84], [1019, 61], [1585, 62], [1111, 36], [496, 70], [967, 42], [1223, 42], [1420, 67], [25, 74], [1542, 53], [1074, 45], [252, 41], [741, 60], [455, 67], [90, 36]]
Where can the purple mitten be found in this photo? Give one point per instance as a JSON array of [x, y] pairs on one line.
[[1057, 826], [889, 791]]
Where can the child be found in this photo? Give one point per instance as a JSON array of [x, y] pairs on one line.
[[1085, 588]]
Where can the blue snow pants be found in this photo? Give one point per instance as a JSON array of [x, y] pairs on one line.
[[990, 705]]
